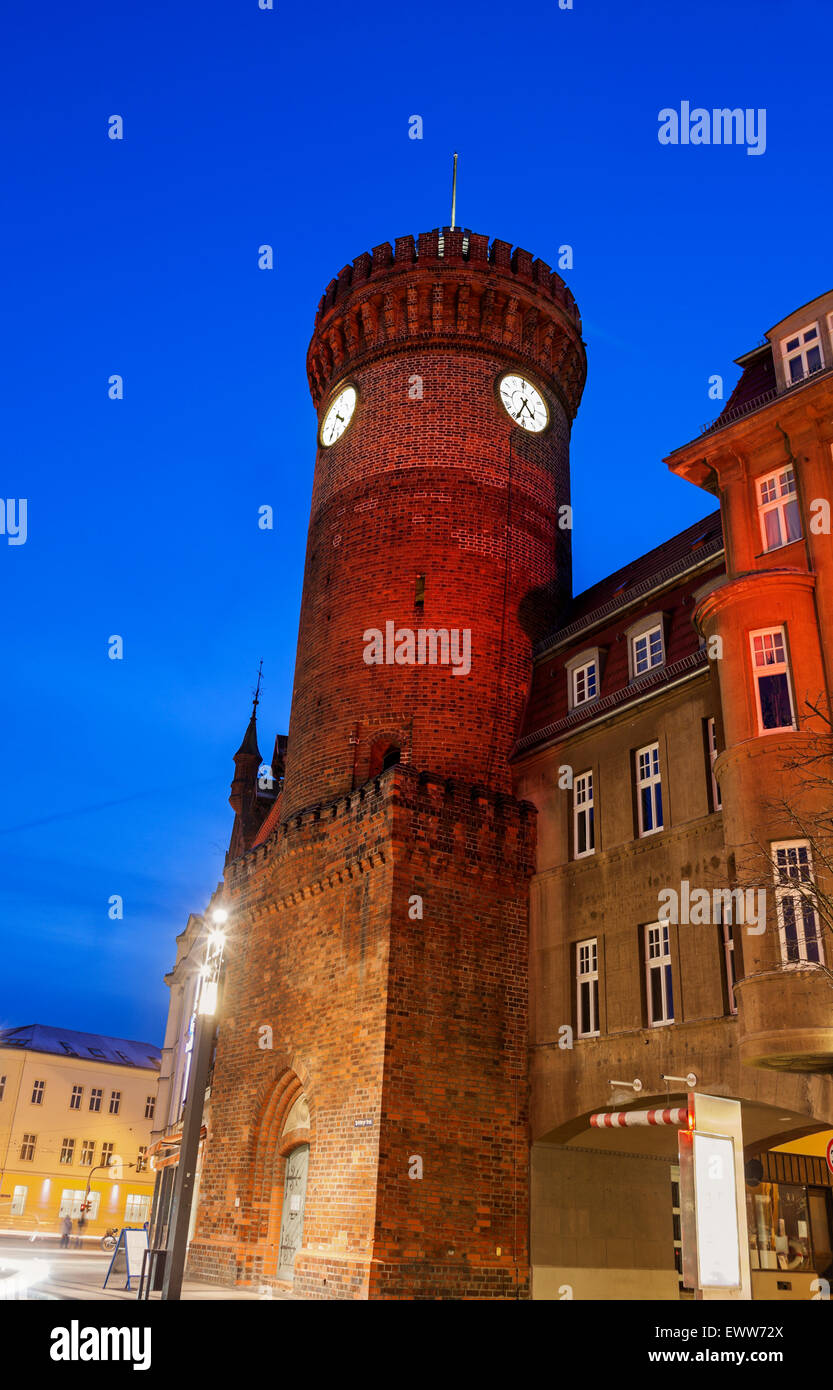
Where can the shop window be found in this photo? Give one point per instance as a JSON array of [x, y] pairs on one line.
[[136, 1207], [19, 1201]]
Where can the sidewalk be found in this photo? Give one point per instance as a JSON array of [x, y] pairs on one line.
[[79, 1274]]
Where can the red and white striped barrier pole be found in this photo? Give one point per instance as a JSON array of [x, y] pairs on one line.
[[623, 1119]]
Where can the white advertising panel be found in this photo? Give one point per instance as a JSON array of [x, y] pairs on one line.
[[718, 1248]]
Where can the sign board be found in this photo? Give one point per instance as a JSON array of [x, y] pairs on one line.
[[830, 1155], [128, 1254], [708, 1207]]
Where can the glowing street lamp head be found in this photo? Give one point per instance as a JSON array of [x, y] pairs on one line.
[[219, 916]]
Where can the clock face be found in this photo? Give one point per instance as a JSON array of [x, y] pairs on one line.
[[524, 403], [338, 416]]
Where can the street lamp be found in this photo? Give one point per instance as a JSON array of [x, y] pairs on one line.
[[205, 1008]]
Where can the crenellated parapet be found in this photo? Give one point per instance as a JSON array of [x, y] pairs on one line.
[[449, 287]]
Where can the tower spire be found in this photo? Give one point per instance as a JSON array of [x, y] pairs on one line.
[[454, 192]]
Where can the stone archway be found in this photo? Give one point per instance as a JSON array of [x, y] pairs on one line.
[[284, 1126]]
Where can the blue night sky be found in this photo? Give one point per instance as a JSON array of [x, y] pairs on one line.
[[139, 257]]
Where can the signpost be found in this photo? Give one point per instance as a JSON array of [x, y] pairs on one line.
[[128, 1255]]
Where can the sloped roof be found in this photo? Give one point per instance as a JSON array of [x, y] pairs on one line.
[[88, 1047], [619, 589]]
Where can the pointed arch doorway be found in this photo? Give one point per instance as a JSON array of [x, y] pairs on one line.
[[292, 1216]]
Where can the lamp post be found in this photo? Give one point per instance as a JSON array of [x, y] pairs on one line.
[[204, 1024]]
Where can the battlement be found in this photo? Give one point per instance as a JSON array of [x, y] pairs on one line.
[[448, 285]]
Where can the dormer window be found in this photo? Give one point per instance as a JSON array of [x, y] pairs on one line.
[[585, 683], [802, 354], [647, 651], [778, 509], [584, 675]]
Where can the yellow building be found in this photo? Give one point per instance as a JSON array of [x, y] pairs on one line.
[[76, 1113]]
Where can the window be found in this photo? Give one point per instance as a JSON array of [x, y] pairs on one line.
[[87, 1153], [798, 923], [778, 509], [2, 1087], [95, 1098], [123, 1056], [587, 989], [106, 1154], [150, 1106], [73, 1200], [27, 1148], [136, 1207], [658, 974], [37, 1092], [649, 789], [75, 1098], [727, 942], [585, 683], [676, 1218], [142, 1160], [772, 680], [711, 746], [70, 1051], [647, 650], [802, 354], [67, 1150], [115, 1102], [96, 1052], [19, 1200], [419, 591], [584, 841]]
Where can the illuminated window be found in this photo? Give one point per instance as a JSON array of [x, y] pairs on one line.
[[73, 1201], [37, 1092], [659, 989], [95, 1098], [802, 354], [798, 922], [67, 1150], [115, 1102], [772, 680], [584, 838], [587, 988], [27, 1148], [649, 790], [778, 509], [87, 1153], [75, 1098], [647, 651], [136, 1207]]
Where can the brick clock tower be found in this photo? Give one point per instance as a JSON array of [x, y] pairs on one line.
[[367, 1135]]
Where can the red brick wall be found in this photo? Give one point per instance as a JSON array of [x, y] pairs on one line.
[[419, 1026]]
